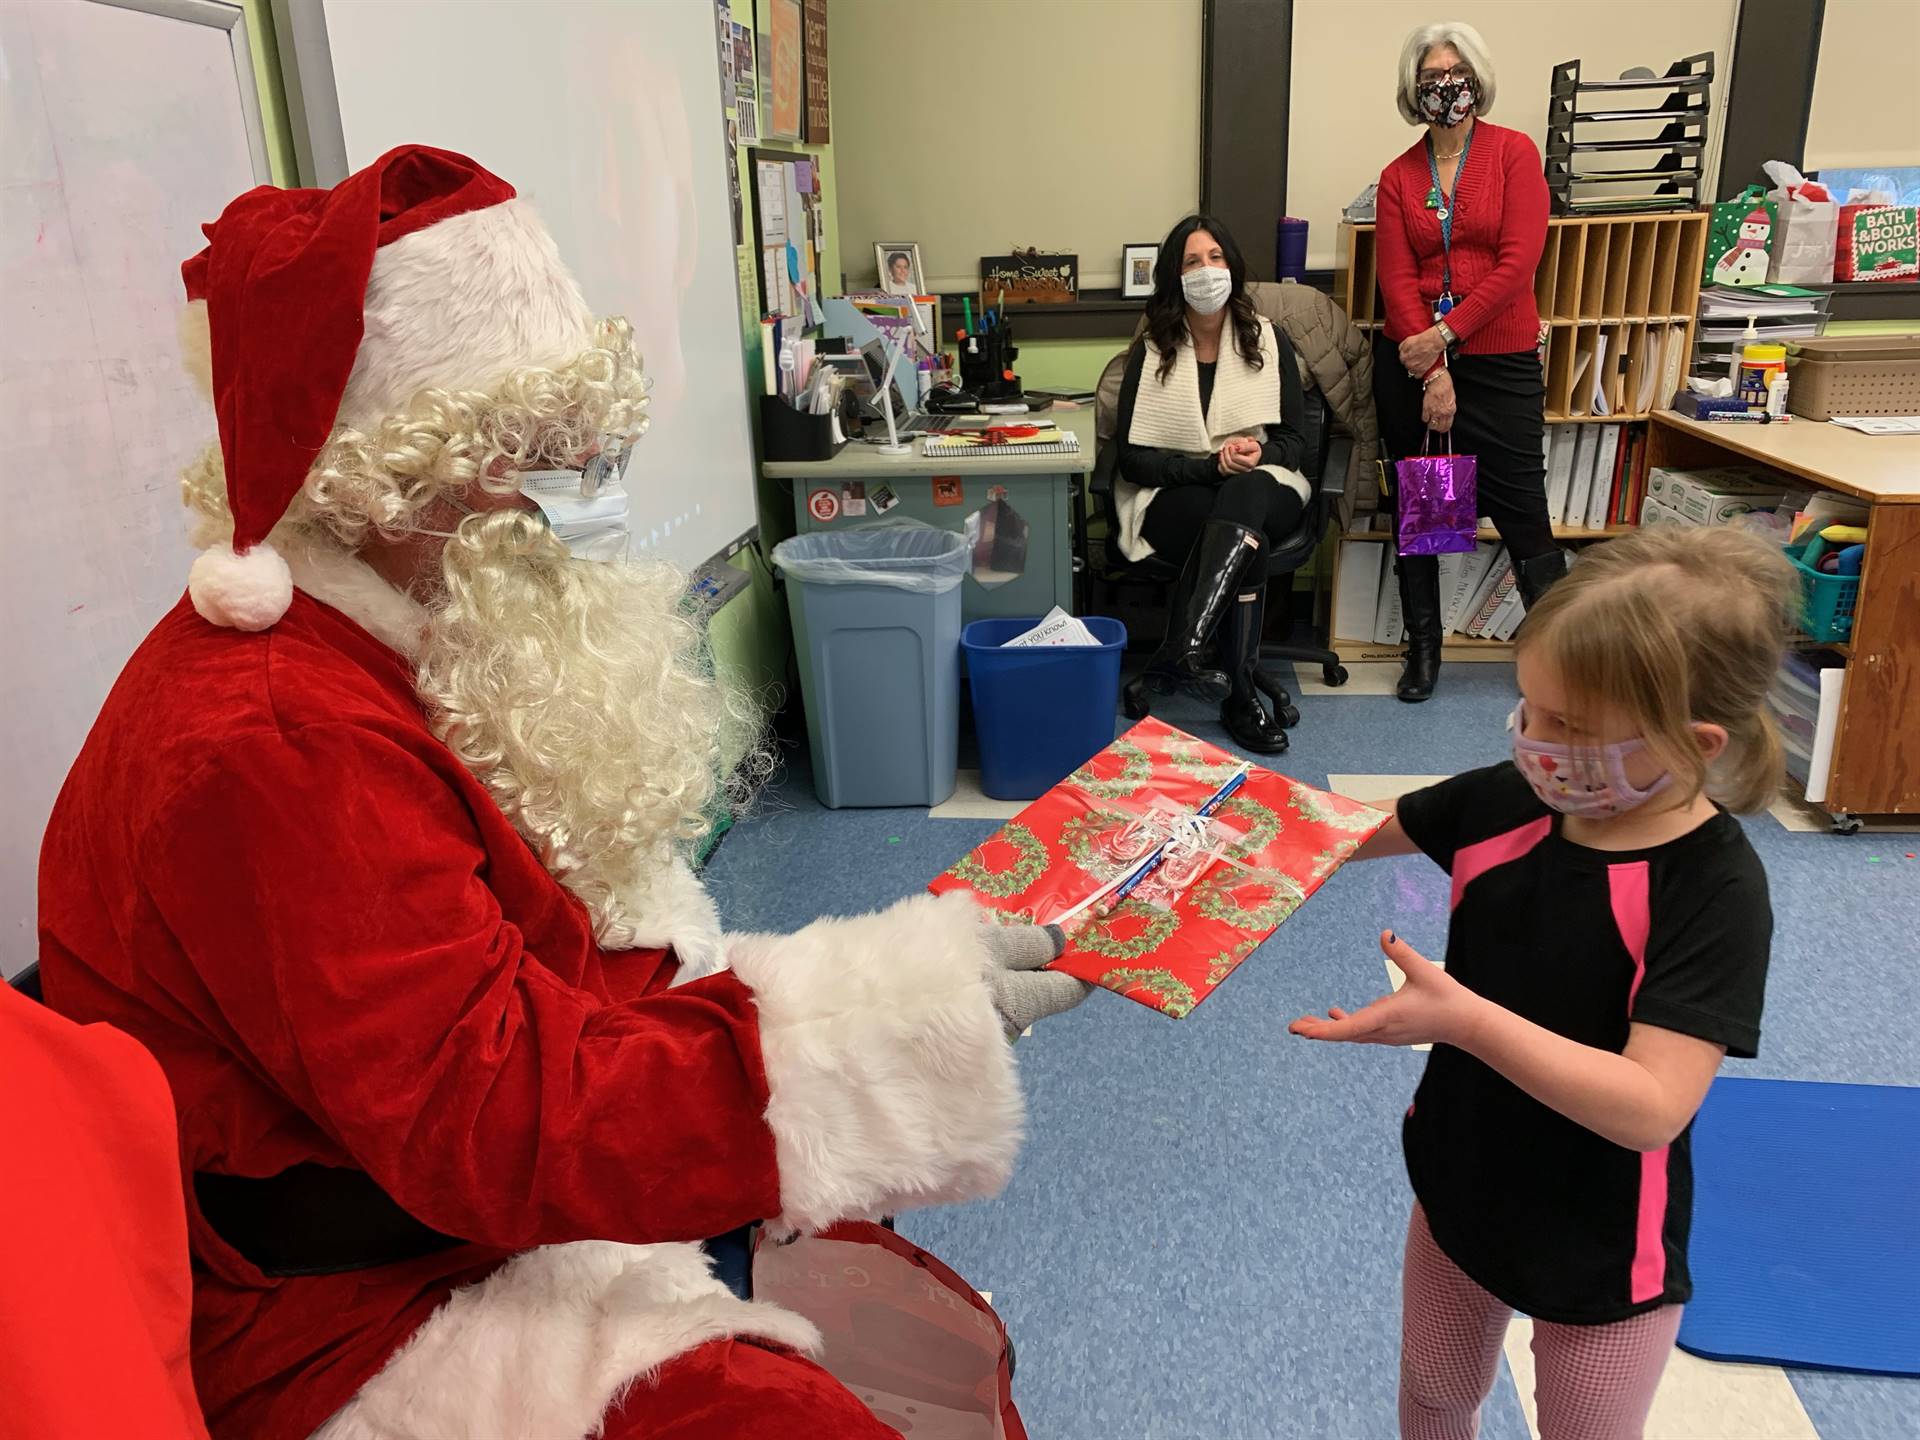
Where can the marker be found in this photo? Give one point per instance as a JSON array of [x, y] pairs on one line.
[[966, 304]]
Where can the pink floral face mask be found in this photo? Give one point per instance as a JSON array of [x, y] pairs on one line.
[[1588, 781]]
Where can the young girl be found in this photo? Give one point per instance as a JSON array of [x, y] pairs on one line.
[[1608, 947]]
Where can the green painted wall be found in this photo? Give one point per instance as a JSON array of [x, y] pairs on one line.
[[1877, 327], [273, 94], [1063, 364]]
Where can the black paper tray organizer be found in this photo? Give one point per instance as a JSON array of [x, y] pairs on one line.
[[1664, 172]]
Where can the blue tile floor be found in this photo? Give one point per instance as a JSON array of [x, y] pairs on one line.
[[1202, 1239]]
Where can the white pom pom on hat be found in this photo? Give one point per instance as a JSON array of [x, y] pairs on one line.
[[241, 592]]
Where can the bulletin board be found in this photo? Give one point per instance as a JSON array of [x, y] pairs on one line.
[[789, 232]]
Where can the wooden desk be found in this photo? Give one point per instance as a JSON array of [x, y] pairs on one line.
[[1038, 488], [1876, 756]]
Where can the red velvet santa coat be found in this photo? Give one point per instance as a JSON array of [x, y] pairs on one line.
[[265, 868]]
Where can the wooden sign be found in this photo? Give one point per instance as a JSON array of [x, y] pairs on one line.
[[1030, 278], [816, 26]]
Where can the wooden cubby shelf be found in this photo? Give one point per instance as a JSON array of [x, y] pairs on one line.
[[1630, 281]]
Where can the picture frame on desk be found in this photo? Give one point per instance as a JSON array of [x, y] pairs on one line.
[[898, 264], [1136, 269]]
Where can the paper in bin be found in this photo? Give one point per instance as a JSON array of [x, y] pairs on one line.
[[1046, 861]]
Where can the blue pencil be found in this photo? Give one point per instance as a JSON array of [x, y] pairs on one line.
[[1153, 860]]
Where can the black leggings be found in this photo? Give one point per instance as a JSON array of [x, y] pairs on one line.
[[1500, 422], [1179, 513]]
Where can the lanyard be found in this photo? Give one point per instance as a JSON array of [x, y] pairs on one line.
[[1446, 216]]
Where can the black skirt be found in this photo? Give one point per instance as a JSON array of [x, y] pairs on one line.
[[1501, 422]]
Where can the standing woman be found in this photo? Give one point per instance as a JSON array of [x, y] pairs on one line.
[[1461, 219], [1208, 470]]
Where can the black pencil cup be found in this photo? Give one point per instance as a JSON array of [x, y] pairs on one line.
[[790, 434]]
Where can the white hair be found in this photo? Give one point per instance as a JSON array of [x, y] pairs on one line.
[[1471, 48]]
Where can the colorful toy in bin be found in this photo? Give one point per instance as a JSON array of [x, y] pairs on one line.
[[1829, 580]]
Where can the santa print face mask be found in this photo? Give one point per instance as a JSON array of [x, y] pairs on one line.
[[1447, 103], [1589, 781]]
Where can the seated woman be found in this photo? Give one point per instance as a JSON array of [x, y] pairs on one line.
[[1208, 467]]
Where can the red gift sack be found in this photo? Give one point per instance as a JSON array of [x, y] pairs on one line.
[[922, 1349]]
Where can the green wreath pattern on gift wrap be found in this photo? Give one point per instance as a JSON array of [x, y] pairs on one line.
[[1217, 897], [1097, 937], [1186, 757], [1263, 826], [1227, 961], [1136, 769], [1000, 884], [1176, 996], [1318, 808], [1079, 835]]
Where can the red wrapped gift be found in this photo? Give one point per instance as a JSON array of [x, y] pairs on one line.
[[1049, 861]]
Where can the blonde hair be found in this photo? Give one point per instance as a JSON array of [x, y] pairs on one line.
[[1467, 44], [1671, 627]]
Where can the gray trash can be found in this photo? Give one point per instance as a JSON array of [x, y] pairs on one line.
[[876, 629]]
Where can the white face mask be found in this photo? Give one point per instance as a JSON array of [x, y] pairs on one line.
[[1207, 288], [591, 527]]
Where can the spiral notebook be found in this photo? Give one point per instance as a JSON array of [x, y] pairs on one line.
[[1047, 442]]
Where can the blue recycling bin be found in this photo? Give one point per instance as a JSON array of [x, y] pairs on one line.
[[876, 631], [1040, 711]]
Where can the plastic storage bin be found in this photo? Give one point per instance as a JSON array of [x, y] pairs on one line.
[[1040, 711], [876, 631], [1828, 600]]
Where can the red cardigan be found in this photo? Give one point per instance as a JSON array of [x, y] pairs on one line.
[[1499, 228]]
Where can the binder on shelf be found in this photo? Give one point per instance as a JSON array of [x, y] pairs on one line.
[[1580, 490], [1467, 582], [1357, 597], [1507, 618], [1389, 626], [1496, 597], [1606, 471], [1483, 592], [1560, 443]]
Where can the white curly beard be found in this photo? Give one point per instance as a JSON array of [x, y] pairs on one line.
[[578, 694]]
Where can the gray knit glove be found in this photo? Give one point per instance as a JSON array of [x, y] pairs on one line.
[[1022, 991]]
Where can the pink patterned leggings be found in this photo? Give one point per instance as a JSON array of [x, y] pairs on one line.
[[1592, 1382]]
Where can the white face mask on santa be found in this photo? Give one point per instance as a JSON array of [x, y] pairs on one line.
[[585, 508]]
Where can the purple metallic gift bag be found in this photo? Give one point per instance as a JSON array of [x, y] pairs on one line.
[[1438, 502]]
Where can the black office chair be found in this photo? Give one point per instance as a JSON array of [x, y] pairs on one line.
[[1325, 468], [27, 982]]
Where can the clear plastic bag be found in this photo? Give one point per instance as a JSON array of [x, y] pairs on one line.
[[907, 555]]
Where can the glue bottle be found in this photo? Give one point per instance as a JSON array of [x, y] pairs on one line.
[[1752, 337]]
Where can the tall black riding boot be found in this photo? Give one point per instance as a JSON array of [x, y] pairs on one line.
[[1420, 608], [1219, 557], [1243, 712], [1535, 575]]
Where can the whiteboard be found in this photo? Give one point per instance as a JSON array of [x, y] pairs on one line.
[[121, 130], [607, 116]]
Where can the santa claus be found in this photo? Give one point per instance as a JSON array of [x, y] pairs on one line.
[[375, 847]]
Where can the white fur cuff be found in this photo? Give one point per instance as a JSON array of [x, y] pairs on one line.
[[891, 1084]]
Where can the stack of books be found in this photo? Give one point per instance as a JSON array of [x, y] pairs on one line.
[[1591, 481]]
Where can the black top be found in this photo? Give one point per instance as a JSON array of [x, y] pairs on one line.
[[1154, 468], [1547, 1215]]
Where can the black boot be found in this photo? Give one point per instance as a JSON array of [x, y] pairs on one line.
[[1243, 713], [1420, 608], [1536, 574], [1219, 557]]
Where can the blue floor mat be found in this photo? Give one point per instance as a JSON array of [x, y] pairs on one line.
[[1806, 1226]]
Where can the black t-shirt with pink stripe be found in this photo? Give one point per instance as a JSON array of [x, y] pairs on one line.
[[1553, 1219]]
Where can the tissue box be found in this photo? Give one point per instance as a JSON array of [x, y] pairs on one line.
[[1878, 242], [1652, 512], [1713, 496]]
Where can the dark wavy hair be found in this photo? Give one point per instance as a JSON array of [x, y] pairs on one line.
[[1167, 310]]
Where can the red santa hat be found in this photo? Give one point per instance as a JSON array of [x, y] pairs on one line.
[[327, 307]]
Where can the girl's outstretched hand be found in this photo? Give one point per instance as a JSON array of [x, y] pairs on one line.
[[1432, 1007]]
